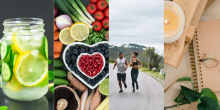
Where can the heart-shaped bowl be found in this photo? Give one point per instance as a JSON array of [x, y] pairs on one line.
[[76, 75], [90, 55]]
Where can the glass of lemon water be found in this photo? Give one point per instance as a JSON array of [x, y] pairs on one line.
[[24, 58]]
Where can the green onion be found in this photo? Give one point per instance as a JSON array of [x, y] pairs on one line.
[[79, 10], [68, 5], [84, 10], [61, 6]]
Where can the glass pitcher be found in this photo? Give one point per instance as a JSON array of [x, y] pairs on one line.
[[24, 59]]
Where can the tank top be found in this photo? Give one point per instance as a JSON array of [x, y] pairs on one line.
[[121, 65], [135, 63]]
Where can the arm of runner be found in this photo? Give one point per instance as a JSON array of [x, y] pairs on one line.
[[140, 63], [126, 63], [131, 63], [115, 64]]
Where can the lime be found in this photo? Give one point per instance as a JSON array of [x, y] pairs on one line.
[[79, 31], [13, 84], [65, 37], [104, 87], [30, 68]]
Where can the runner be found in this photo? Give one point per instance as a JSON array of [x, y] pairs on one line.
[[134, 71], [122, 66]]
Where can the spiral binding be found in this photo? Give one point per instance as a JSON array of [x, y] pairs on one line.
[[195, 64]]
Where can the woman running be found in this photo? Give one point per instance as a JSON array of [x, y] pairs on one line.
[[134, 71]]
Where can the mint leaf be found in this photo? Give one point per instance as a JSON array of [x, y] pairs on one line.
[[52, 88], [49, 61], [3, 108], [42, 84], [51, 75]]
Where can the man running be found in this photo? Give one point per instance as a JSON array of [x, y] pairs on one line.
[[122, 66]]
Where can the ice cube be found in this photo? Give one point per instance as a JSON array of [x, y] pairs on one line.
[[35, 53]]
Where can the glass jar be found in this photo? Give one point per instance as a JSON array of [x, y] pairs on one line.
[[24, 58]]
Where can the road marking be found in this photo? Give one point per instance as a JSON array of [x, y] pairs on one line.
[[113, 75]]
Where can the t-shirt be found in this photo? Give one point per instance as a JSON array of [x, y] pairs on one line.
[[121, 65]]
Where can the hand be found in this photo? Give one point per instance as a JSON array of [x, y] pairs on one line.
[[139, 67], [113, 67], [126, 68]]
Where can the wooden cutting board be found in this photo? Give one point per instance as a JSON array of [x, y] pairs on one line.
[[173, 52]]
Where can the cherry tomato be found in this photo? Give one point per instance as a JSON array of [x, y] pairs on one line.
[[106, 13], [102, 5], [91, 8], [93, 1], [97, 26], [99, 15], [105, 23]]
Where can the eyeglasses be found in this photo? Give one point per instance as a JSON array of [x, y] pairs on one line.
[[209, 60]]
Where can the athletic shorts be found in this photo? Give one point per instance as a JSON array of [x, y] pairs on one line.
[[121, 76]]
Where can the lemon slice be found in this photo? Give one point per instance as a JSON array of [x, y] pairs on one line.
[[79, 31], [30, 69], [65, 36]]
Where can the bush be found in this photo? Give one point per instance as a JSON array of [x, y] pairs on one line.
[[111, 61]]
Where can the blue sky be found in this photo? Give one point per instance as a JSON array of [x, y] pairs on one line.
[[137, 21]]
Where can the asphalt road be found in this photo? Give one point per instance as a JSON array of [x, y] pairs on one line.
[[149, 96]]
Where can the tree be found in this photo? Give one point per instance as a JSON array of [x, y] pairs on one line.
[[155, 58]]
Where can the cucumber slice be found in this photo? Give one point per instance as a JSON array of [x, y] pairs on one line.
[[45, 47], [4, 49], [6, 71], [13, 58], [8, 57]]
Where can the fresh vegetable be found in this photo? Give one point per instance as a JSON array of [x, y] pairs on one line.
[[55, 11], [58, 73], [72, 10], [51, 75], [14, 58], [58, 46], [104, 103], [56, 35], [7, 71], [99, 15], [63, 21], [57, 55], [4, 49], [79, 11], [102, 5], [106, 12], [75, 82], [84, 10], [61, 104], [83, 99], [58, 63], [45, 47], [62, 7], [59, 81], [107, 35], [97, 26], [91, 8], [105, 23], [107, 2], [95, 37], [88, 100], [96, 100], [54, 27], [94, 1]]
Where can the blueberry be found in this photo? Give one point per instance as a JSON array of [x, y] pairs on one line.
[[103, 73], [105, 44], [82, 50], [91, 51], [107, 51], [103, 48], [71, 48], [99, 49], [102, 52], [95, 48], [106, 66], [73, 57], [76, 46], [81, 46], [106, 71], [106, 55], [72, 68], [70, 65], [100, 45], [67, 57], [68, 52], [74, 61], [67, 61], [106, 62], [75, 51], [87, 49]]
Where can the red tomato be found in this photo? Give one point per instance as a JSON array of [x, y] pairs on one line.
[[91, 8], [99, 15], [102, 5], [106, 13], [93, 1], [105, 23], [97, 26]]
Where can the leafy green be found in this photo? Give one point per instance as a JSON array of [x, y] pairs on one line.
[[95, 36], [181, 99], [3, 108], [52, 88], [209, 93], [184, 79], [42, 84], [208, 104], [190, 94], [51, 75], [49, 61]]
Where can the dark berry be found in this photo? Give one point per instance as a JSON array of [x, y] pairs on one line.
[[100, 45], [102, 52], [70, 65], [68, 52], [71, 48], [67, 57], [76, 46], [82, 50], [81, 46], [67, 61], [91, 51], [105, 44], [106, 62], [107, 55], [107, 51], [103, 48], [106, 66], [99, 49], [72, 68], [75, 51], [73, 61], [87, 49], [95, 48], [73, 57]]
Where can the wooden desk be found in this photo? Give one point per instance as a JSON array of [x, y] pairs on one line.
[[172, 87]]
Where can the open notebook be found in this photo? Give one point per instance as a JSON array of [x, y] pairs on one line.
[[206, 41]]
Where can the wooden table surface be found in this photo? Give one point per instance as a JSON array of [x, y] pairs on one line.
[[171, 87]]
